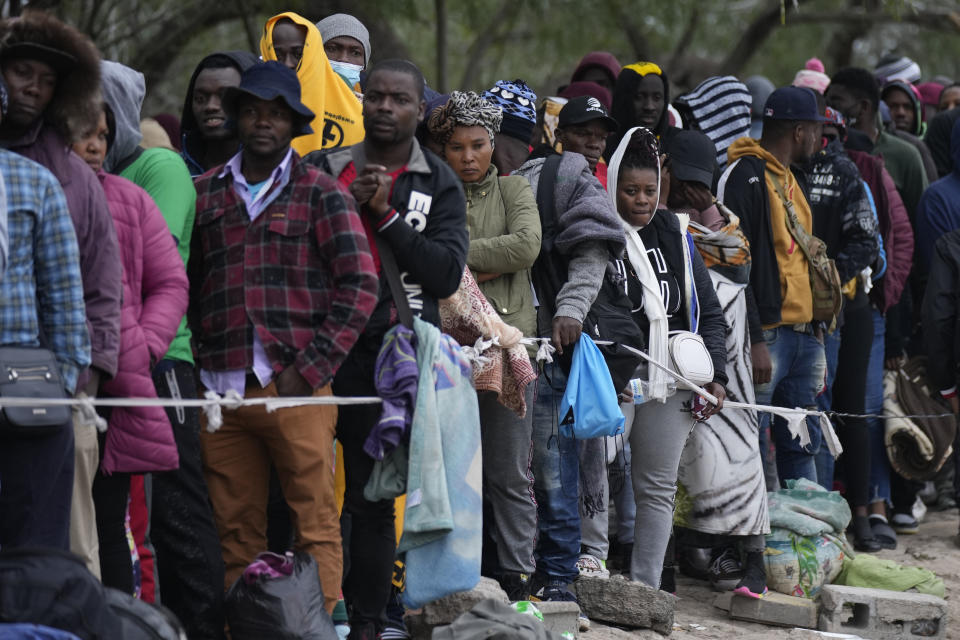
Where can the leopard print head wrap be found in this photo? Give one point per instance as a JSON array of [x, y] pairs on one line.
[[464, 109]]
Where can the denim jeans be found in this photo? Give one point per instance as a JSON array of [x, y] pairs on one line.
[[556, 472], [824, 459], [799, 366], [879, 463]]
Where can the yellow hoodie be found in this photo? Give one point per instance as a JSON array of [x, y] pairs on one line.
[[339, 122], [797, 299]]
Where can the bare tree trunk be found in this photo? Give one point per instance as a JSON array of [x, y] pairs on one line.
[[441, 16], [253, 39]]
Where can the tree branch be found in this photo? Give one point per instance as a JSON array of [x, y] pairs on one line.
[[485, 39], [753, 37]]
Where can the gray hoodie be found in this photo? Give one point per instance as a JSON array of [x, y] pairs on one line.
[[123, 89], [588, 232]]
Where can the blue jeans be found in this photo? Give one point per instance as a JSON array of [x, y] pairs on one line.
[[799, 366], [824, 459], [556, 472], [879, 463]]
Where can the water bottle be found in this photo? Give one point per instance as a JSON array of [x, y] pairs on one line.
[[638, 387]]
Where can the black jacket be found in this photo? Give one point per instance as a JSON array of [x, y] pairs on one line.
[[939, 132], [941, 313], [842, 216], [429, 239], [191, 143], [712, 325], [743, 189]]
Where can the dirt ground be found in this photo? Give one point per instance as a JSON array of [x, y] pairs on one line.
[[697, 619]]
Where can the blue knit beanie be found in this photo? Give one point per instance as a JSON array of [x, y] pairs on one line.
[[519, 104]]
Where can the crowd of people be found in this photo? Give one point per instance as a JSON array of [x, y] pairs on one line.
[[264, 243]]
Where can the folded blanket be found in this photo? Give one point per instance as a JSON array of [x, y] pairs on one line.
[[917, 447], [467, 316]]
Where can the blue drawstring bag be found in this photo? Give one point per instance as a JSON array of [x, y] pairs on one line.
[[589, 407]]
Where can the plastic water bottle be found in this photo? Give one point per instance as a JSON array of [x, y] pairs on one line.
[[638, 387]]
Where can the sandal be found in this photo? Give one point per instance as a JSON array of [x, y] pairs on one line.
[[883, 532]]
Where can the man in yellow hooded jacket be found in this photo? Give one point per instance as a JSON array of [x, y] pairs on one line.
[[788, 356], [294, 41]]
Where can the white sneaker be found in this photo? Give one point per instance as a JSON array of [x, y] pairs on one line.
[[591, 566]]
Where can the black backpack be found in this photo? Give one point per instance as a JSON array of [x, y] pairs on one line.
[[610, 315], [53, 588]]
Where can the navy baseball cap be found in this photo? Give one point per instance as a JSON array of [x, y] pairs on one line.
[[269, 81], [793, 103], [693, 156]]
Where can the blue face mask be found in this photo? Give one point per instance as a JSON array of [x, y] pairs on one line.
[[349, 72]]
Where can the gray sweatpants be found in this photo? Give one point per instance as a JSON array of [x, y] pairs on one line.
[[594, 498], [508, 480], [660, 431]]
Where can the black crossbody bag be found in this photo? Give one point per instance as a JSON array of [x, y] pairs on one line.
[[31, 372]]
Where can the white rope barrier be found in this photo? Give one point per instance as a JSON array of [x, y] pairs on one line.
[[212, 404]]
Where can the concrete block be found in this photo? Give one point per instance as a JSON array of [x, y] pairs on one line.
[[774, 609], [560, 617], [626, 603], [882, 615], [445, 610]]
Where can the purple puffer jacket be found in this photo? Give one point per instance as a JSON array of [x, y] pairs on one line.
[[155, 291]]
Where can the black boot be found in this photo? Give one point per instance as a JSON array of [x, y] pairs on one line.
[[517, 586]]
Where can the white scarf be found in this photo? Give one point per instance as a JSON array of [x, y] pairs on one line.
[[652, 300]]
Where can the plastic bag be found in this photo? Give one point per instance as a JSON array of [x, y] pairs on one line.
[[589, 407], [284, 600]]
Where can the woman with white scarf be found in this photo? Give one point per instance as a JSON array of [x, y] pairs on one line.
[[671, 290]]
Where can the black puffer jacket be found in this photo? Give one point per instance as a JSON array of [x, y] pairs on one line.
[[941, 313]]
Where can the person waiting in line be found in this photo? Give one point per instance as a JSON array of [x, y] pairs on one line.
[[154, 301], [721, 470], [844, 220], [206, 140], [413, 202], [519, 104], [504, 243], [788, 358], [671, 290]]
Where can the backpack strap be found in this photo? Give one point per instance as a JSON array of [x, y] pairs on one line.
[[388, 262], [546, 202]]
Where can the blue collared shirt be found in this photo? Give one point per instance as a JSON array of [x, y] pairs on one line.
[[255, 198], [41, 293]]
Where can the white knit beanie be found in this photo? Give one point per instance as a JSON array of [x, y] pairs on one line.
[[341, 24]]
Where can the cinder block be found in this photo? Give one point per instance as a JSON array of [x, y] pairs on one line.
[[626, 603], [774, 609], [882, 615], [560, 617]]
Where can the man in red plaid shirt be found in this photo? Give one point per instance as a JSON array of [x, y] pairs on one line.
[[282, 285]]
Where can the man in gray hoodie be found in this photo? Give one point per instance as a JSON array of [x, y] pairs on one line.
[[581, 231], [182, 529]]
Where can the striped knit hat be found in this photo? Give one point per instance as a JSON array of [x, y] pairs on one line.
[[720, 108], [519, 104], [893, 67]]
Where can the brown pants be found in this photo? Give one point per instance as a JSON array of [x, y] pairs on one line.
[[299, 442]]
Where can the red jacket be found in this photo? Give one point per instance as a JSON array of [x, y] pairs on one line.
[[894, 227], [155, 291]]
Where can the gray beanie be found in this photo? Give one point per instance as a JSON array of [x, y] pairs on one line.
[[341, 24]]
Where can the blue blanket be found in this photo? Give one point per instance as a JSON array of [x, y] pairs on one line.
[[443, 518]]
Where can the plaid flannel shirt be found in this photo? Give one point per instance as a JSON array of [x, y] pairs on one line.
[[42, 290], [300, 275]]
